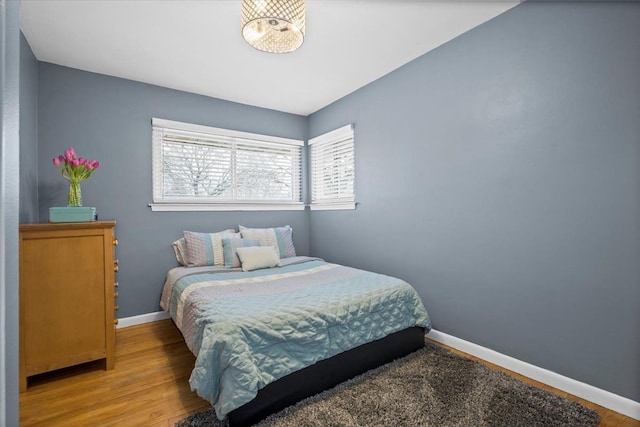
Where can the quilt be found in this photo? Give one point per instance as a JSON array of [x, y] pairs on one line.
[[248, 329]]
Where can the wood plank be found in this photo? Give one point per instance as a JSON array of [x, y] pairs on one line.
[[150, 386]]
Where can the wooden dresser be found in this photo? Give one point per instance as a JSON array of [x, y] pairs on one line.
[[67, 296]]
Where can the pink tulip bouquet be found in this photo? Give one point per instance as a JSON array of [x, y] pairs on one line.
[[75, 169]]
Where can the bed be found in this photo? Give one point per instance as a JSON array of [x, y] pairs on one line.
[[267, 338]]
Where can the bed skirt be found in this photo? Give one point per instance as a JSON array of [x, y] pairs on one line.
[[326, 374]]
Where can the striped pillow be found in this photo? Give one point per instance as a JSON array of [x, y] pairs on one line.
[[230, 246], [206, 248], [279, 237]]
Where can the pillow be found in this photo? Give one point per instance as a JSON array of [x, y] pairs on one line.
[[229, 246], [206, 248], [279, 238], [179, 247], [256, 257]]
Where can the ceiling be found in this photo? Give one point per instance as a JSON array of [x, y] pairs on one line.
[[196, 46]]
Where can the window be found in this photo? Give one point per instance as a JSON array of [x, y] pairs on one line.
[[333, 170], [204, 168]]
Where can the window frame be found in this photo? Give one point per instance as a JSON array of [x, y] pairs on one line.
[[329, 141], [163, 203]]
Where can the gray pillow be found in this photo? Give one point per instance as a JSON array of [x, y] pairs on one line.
[[206, 248], [278, 237]]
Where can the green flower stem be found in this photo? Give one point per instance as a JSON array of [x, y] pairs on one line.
[[75, 194]]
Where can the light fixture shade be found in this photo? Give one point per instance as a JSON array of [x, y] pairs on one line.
[[275, 26]]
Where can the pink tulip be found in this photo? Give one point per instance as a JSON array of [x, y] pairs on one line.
[[69, 165], [70, 154]]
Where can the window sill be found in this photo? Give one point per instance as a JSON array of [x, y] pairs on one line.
[[332, 206], [195, 207]]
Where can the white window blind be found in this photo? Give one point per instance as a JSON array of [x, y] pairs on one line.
[[333, 169], [204, 168]]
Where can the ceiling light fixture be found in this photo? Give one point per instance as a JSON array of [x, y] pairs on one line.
[[275, 26]]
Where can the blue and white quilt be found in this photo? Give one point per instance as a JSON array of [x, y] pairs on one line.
[[248, 329]]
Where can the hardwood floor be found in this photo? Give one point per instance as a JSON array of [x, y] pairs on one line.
[[149, 386]]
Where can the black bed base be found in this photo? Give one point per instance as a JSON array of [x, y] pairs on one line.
[[326, 374]]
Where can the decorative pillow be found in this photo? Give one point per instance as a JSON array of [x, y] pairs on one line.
[[180, 249], [279, 237], [229, 247], [206, 248], [256, 257]]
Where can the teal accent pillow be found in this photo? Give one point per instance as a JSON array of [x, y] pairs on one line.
[[230, 250]]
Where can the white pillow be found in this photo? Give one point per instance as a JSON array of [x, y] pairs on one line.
[[256, 257], [180, 249]]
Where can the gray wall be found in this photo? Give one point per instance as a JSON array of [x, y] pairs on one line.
[[499, 175], [9, 209], [28, 133], [109, 119]]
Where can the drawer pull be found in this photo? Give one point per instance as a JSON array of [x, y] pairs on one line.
[[116, 308], [115, 321], [116, 284], [115, 294], [116, 262], [115, 268], [115, 242]]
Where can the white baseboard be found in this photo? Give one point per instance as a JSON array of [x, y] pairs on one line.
[[593, 394], [142, 318]]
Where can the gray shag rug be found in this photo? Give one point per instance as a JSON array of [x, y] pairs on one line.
[[431, 387]]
